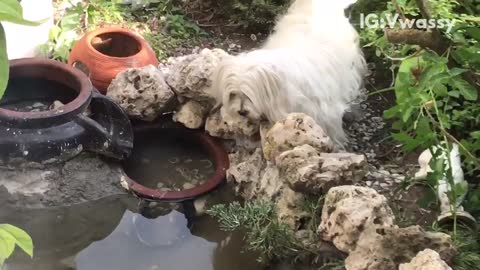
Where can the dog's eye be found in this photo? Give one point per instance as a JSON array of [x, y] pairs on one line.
[[243, 112]]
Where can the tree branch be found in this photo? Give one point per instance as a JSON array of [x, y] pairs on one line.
[[425, 39], [424, 9]]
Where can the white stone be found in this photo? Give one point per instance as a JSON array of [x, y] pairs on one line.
[[426, 260], [141, 92], [296, 130], [348, 211], [191, 114]]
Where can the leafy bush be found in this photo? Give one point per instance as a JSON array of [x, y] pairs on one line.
[[265, 234], [163, 24], [436, 83], [86, 15], [255, 14], [274, 240], [468, 251]]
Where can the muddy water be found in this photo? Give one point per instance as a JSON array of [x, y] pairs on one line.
[[28, 106], [111, 234], [24, 96], [166, 161]]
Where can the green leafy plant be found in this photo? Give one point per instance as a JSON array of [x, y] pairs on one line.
[[10, 11], [84, 16], [179, 27], [272, 239], [163, 23], [265, 234], [255, 14], [467, 244], [11, 236], [436, 85], [468, 251]]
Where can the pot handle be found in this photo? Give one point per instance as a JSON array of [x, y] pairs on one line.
[[82, 67], [108, 127]]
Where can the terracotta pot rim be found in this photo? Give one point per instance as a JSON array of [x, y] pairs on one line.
[[209, 144], [51, 70], [111, 30]]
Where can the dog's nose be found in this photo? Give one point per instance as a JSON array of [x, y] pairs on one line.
[[243, 113]]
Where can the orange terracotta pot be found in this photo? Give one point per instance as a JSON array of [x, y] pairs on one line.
[[105, 52]]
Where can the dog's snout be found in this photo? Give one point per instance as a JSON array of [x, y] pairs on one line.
[[243, 113]]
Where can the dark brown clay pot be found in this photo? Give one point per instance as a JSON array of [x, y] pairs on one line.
[[106, 52], [58, 134]]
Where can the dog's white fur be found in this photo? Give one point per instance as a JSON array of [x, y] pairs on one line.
[[311, 64]]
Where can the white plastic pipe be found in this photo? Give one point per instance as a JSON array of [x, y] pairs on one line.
[[22, 41], [443, 186]]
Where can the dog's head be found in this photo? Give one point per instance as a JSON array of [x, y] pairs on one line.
[[246, 89]]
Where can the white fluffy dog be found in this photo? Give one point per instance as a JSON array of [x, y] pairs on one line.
[[312, 64]]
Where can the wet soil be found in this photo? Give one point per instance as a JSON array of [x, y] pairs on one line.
[[83, 179]]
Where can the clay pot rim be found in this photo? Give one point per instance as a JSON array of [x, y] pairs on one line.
[[111, 30], [51, 70], [209, 144]]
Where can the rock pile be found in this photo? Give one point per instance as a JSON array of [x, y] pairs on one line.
[[359, 222], [294, 160]]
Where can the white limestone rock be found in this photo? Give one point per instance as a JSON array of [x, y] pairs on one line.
[[141, 92]]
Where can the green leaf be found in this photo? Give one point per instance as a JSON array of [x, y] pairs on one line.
[[410, 63], [392, 112], [17, 20], [70, 22], [4, 64], [456, 71], [460, 190], [455, 94], [466, 90], [54, 33], [11, 11], [466, 54], [474, 32], [475, 135], [440, 90], [407, 113], [12, 7], [19, 236], [7, 246]]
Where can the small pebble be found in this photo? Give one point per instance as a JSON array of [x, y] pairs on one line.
[[55, 105], [385, 185], [38, 105], [188, 186]]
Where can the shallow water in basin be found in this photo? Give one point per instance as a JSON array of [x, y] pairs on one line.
[[35, 95], [163, 160], [106, 235], [29, 106]]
